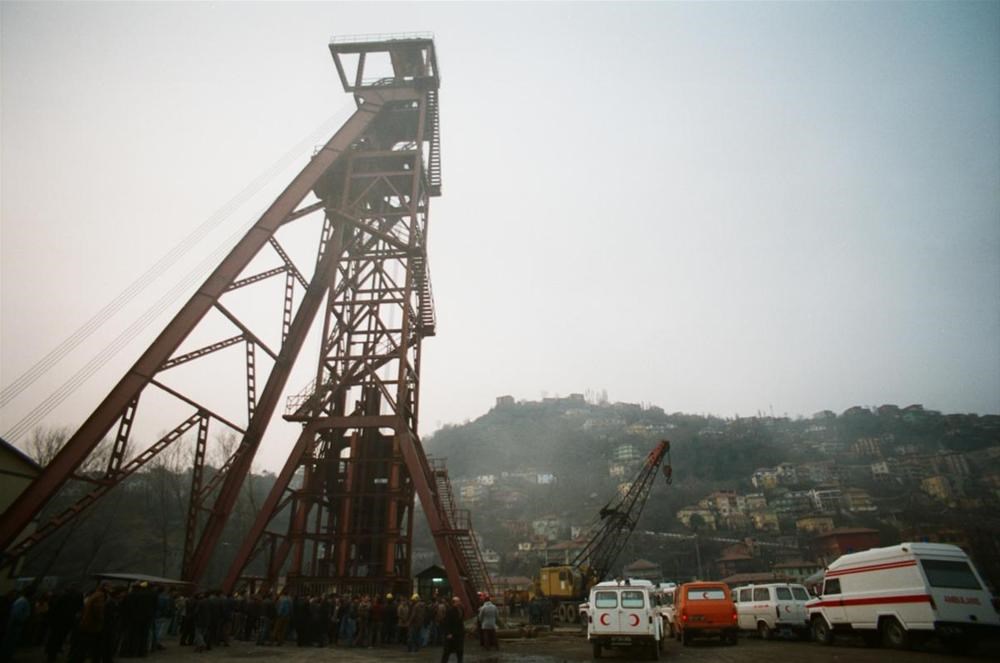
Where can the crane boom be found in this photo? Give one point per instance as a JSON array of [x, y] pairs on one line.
[[564, 586], [619, 517]]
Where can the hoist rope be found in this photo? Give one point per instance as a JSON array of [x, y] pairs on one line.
[[36, 415]]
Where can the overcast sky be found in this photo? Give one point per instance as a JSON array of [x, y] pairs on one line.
[[710, 207]]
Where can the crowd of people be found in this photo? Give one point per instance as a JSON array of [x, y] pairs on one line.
[[113, 622]]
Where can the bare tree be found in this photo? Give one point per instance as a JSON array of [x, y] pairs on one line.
[[46, 441]]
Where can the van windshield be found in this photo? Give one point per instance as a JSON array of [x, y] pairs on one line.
[[953, 575], [706, 594]]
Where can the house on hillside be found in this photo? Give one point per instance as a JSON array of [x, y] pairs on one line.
[[814, 524], [764, 478], [858, 500], [643, 569], [766, 521], [724, 502], [505, 401], [732, 563], [563, 552], [826, 498], [797, 570], [831, 545], [687, 513], [940, 488], [755, 502], [867, 447], [793, 503], [547, 528], [882, 470]]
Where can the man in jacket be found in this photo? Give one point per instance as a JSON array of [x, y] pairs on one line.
[[488, 622], [453, 630], [418, 616]]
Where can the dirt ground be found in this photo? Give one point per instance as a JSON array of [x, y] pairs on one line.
[[569, 646]]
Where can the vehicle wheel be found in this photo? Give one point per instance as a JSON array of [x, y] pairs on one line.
[[822, 633], [894, 635], [597, 649], [764, 631], [685, 638], [673, 631]]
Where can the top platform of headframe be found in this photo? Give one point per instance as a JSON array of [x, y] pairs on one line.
[[385, 60]]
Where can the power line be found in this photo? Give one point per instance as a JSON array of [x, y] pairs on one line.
[[195, 275], [29, 377]]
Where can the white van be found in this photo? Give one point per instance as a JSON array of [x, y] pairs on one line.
[[771, 608], [664, 593], [902, 594], [622, 614]]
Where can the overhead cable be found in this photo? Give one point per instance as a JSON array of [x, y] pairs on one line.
[[29, 377]]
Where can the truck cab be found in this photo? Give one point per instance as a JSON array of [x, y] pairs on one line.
[[624, 614]]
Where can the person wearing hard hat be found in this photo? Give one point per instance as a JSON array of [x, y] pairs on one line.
[[418, 615], [390, 635]]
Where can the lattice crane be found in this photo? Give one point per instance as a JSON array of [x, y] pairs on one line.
[[566, 585]]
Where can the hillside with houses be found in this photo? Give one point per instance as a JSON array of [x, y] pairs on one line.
[[752, 498]]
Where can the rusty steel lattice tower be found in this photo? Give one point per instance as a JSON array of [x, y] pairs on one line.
[[340, 515]]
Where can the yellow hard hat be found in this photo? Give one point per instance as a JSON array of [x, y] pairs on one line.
[[415, 597], [388, 597]]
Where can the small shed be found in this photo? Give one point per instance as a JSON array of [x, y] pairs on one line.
[[432, 581]]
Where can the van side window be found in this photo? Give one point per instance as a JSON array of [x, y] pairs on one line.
[[761, 594], [632, 600], [953, 575], [831, 587], [745, 595], [606, 600], [800, 593], [784, 594]]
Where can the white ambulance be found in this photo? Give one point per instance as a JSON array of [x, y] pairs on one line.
[[624, 614], [902, 594]]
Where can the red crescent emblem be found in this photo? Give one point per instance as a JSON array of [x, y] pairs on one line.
[[635, 620], [604, 619]]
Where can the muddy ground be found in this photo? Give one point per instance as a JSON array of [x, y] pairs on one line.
[[554, 648]]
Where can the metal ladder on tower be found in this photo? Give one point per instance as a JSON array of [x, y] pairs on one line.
[[426, 317], [434, 156]]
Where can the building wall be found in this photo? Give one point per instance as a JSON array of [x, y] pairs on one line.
[[16, 472]]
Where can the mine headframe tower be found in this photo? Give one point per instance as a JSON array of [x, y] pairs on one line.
[[340, 515]]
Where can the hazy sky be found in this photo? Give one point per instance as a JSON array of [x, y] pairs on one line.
[[711, 207]]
